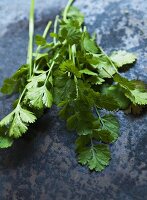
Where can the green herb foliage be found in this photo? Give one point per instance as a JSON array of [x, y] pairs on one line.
[[74, 73]]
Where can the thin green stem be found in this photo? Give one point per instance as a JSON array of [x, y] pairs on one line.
[[39, 47], [50, 69], [21, 96], [49, 72], [31, 35], [70, 53], [85, 29], [67, 9], [73, 49], [30, 45], [98, 114], [55, 28], [47, 29], [76, 83], [92, 147]]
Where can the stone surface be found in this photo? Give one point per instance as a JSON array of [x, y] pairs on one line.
[[42, 165]]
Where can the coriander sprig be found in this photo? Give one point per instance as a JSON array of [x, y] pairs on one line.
[[72, 71]]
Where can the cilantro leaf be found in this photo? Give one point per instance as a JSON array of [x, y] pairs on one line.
[[96, 157], [40, 40], [17, 121], [103, 65], [68, 66], [104, 136], [89, 45], [40, 96], [95, 80], [75, 73], [111, 124], [5, 142], [64, 88], [133, 90], [16, 82], [82, 141], [107, 102], [75, 14], [118, 94], [121, 58], [88, 72]]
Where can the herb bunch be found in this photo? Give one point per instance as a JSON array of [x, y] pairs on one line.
[[74, 73]]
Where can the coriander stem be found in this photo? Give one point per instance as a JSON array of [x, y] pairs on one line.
[[85, 29], [21, 96], [49, 72], [73, 49], [44, 36], [31, 34], [76, 83], [47, 29], [67, 9], [92, 147], [98, 114], [70, 54], [55, 28]]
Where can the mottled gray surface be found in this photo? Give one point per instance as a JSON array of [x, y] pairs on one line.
[[42, 166]]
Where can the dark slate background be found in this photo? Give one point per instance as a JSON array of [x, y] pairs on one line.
[[42, 165]]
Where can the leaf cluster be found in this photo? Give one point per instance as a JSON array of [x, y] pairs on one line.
[[74, 73]]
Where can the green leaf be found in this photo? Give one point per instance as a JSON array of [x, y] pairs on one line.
[[75, 14], [137, 97], [6, 120], [111, 124], [66, 109], [96, 157], [53, 35], [47, 98], [64, 88], [17, 121], [82, 141], [16, 82], [134, 90], [72, 122], [124, 82], [121, 58], [26, 116], [103, 65], [85, 123], [103, 136], [39, 96], [17, 128], [39, 40], [39, 56], [36, 80], [5, 142], [88, 72], [95, 80], [90, 45], [71, 34], [118, 94], [107, 102], [68, 66], [9, 86]]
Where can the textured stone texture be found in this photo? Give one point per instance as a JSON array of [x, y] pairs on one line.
[[42, 165]]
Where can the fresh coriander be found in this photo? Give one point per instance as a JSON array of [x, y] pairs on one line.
[[72, 72]]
